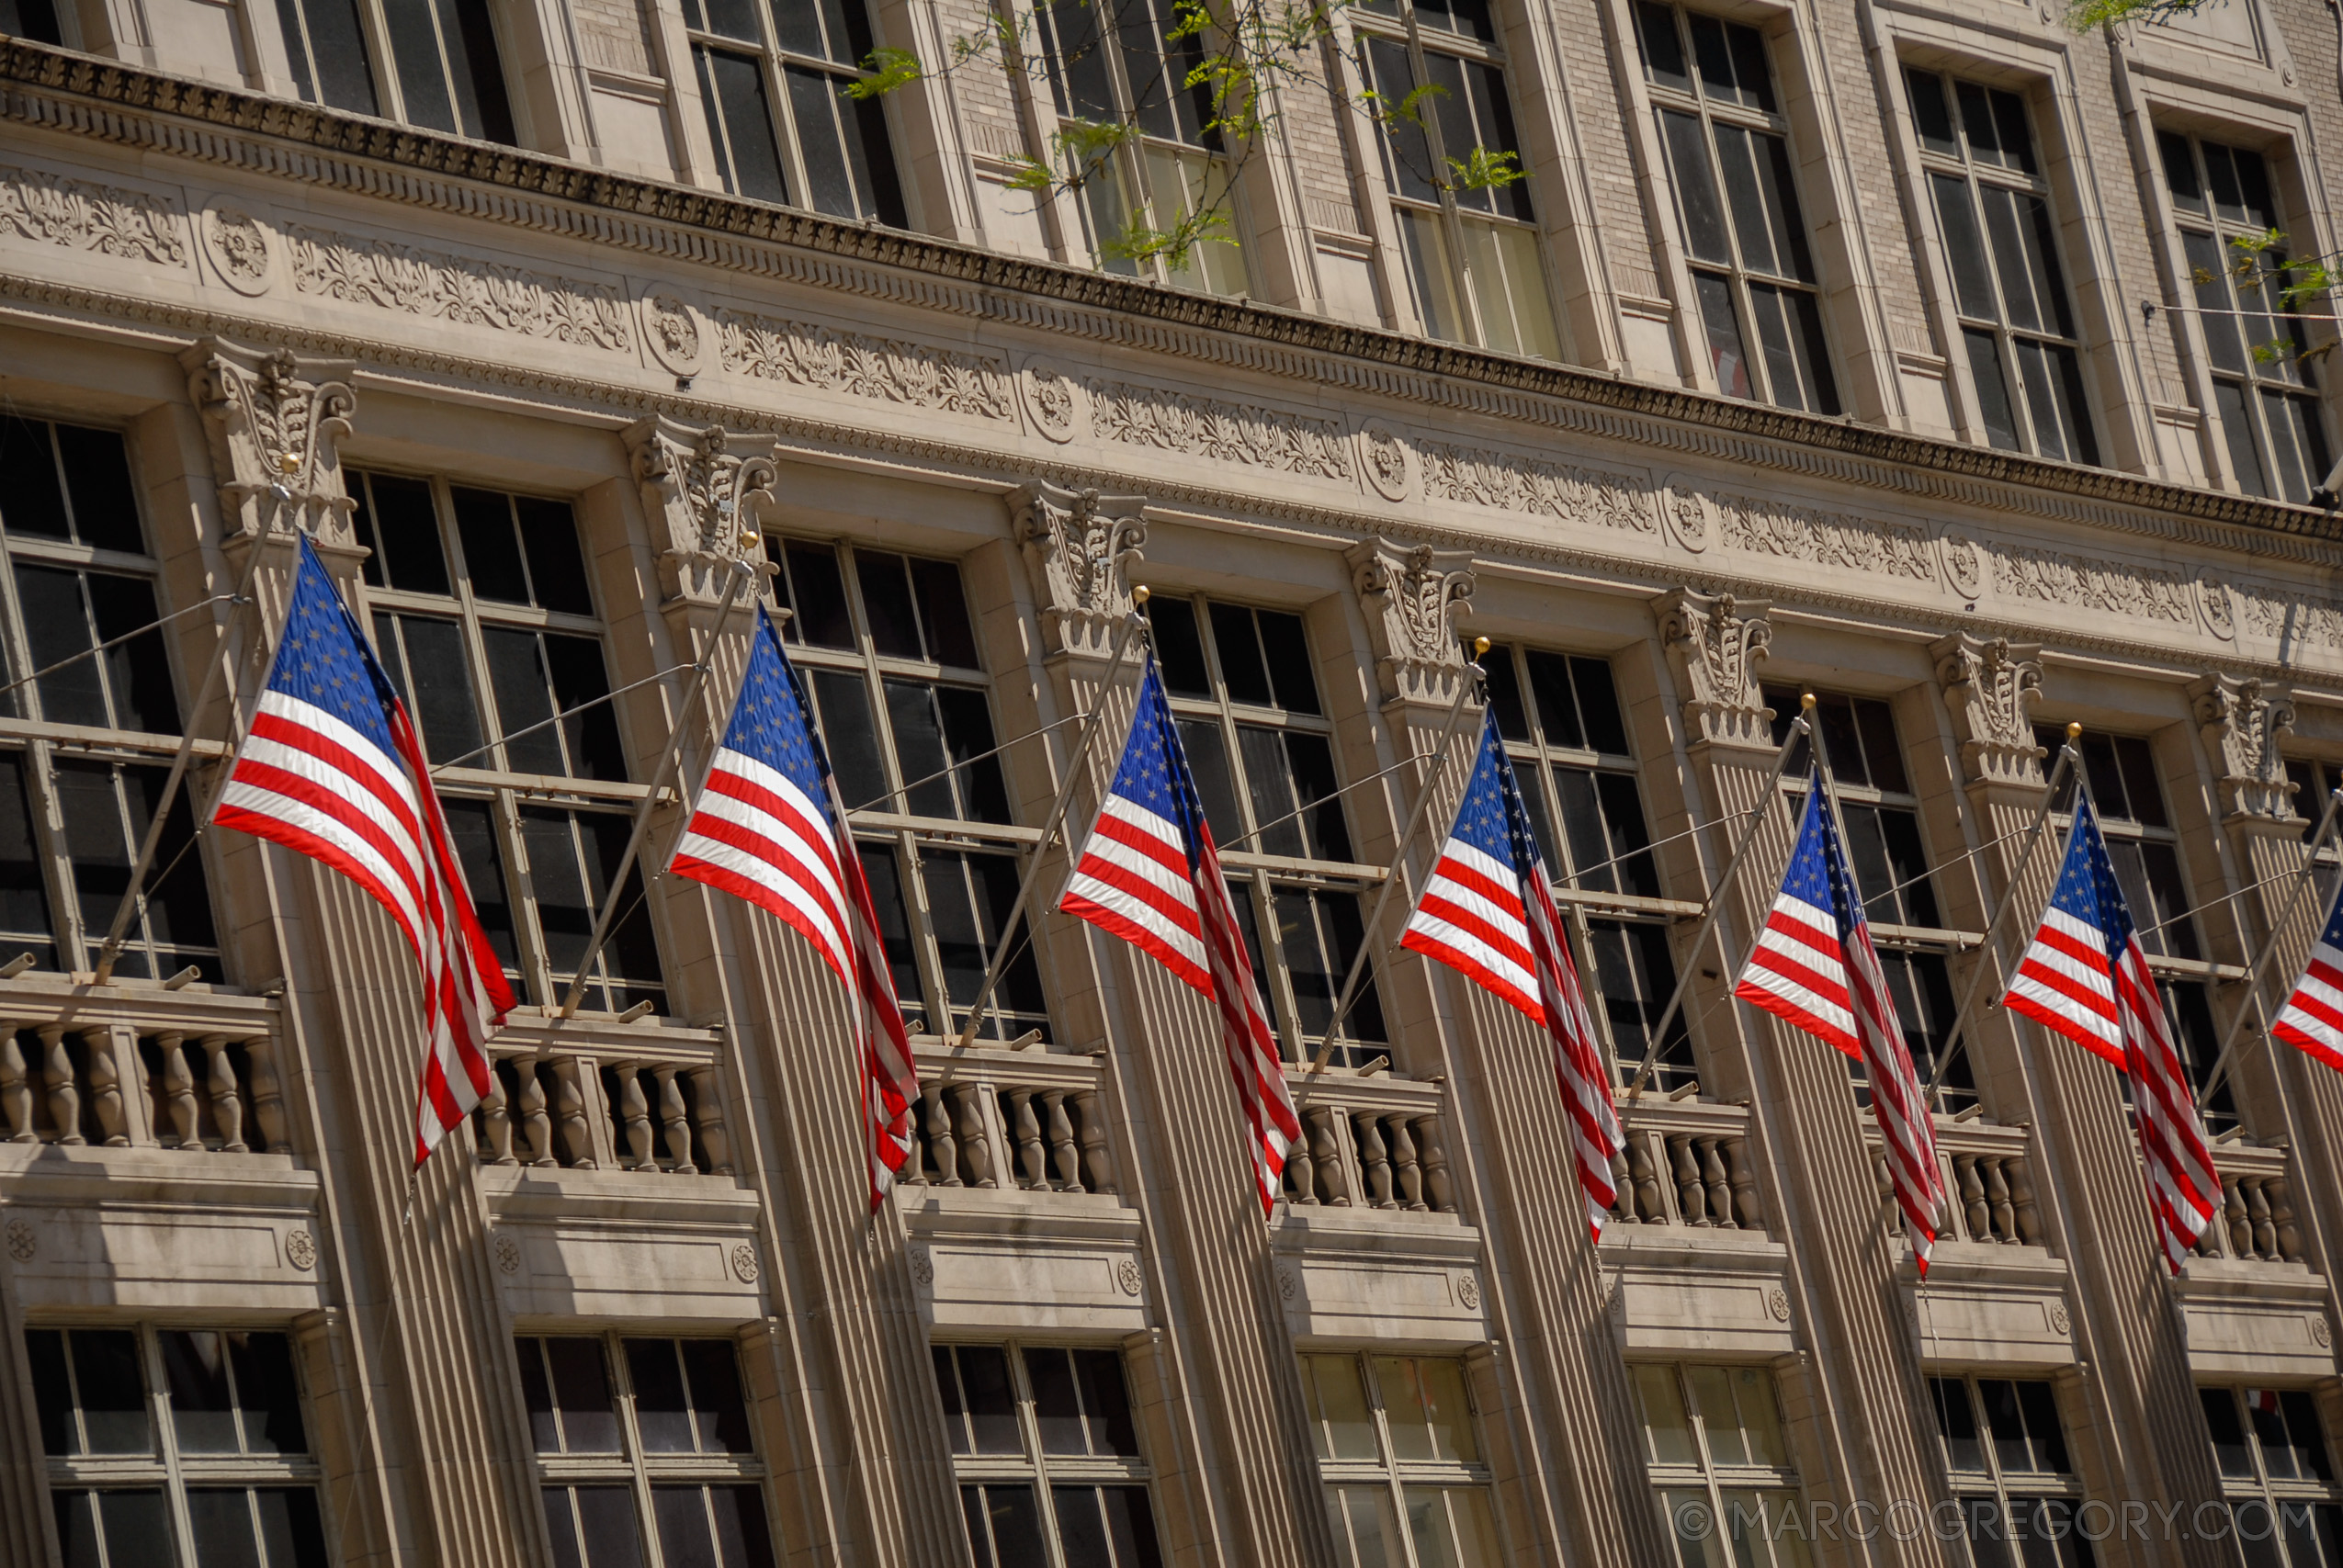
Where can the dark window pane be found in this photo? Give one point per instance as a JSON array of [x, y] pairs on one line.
[[850, 739], [870, 148], [2229, 1446], [1208, 762], [1558, 707], [883, 871], [1875, 724], [1907, 866], [1081, 1530], [415, 52], [732, 89], [2003, 226], [947, 1393], [1736, 160], [992, 1409], [1663, 50], [472, 827], [719, 1411], [1956, 1423], [814, 104], [1241, 667], [968, 736], [1010, 1516], [2305, 1434], [679, 1514], [663, 1412], [1310, 758], [203, 1412], [407, 527], [2237, 430], [32, 498], [338, 52], [818, 596], [222, 1525], [581, 1395], [56, 627], [608, 1527], [797, 24], [944, 612], [440, 686], [579, 678], [137, 1527], [919, 747], [1504, 689], [1994, 410], [887, 603], [1179, 647], [557, 569], [1727, 353], [1130, 1524], [743, 1537], [1705, 236], [2040, 1407], [1964, 247], [97, 477], [523, 692], [1710, 55], [1976, 122], [537, 1394], [137, 673], [113, 1391], [23, 894], [52, 1391], [292, 1533], [1291, 674], [1057, 1407], [479, 73], [1106, 1403], [2049, 287], [2009, 130], [1582, 825], [2140, 783], [632, 950], [1999, 1397], [1749, 71], [2180, 171], [1629, 844]]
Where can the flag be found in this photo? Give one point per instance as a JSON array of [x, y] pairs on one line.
[[1814, 965], [1487, 913], [2087, 978], [1149, 874], [2312, 1019], [769, 827], [331, 768]]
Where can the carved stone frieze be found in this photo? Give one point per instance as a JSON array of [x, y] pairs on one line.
[[83, 215], [1411, 597], [1714, 644], [241, 249], [2139, 592], [2291, 620], [2241, 721], [1080, 545], [465, 290], [1227, 433], [706, 495], [1989, 685], [807, 355], [1765, 527], [1530, 485], [274, 420]]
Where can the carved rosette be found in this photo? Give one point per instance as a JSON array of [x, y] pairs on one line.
[[2241, 721], [707, 495], [1411, 597], [1713, 643], [274, 420], [1079, 545], [1989, 684]]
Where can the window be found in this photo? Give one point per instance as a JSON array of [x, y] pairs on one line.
[[1175, 168], [79, 575], [1047, 1456], [629, 1430], [2006, 1454], [2278, 1474], [1474, 267], [176, 1445], [34, 19], [2314, 782], [1713, 1440], [1242, 690], [2000, 244], [1890, 863], [2265, 391], [1737, 202], [484, 617], [1398, 1441], [1560, 717], [878, 633], [445, 73], [773, 80]]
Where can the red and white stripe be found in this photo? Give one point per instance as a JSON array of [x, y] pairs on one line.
[[2311, 1019], [2064, 983]]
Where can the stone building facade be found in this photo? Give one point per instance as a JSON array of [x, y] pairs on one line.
[[1867, 349]]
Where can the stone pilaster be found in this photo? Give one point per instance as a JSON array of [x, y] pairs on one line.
[[1989, 686], [1714, 643], [2241, 721], [702, 499], [1411, 597], [1079, 546], [274, 420]]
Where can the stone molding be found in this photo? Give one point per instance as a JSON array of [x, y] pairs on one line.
[[706, 495], [2241, 721], [1713, 643], [1410, 597], [1989, 684], [274, 418], [1079, 545]]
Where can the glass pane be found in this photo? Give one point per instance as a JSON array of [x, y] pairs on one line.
[[1057, 1407], [732, 89], [1999, 1398], [1994, 408], [407, 527], [414, 52], [1712, 1389], [1428, 1528], [97, 477], [1663, 50], [203, 1409], [991, 1405], [1130, 1525], [1179, 647], [2046, 1437], [1727, 353], [685, 1537], [883, 871], [848, 734], [1446, 1412], [1666, 1427], [491, 548], [743, 1539], [1208, 762], [1292, 676], [1705, 236], [56, 627], [1930, 117], [1362, 1519], [579, 678], [582, 1399], [1558, 705], [1403, 1406], [2230, 1449], [523, 690], [113, 1391], [719, 1411], [52, 1391], [1338, 1407], [1761, 1417], [607, 1526], [1106, 1403], [967, 737], [887, 607], [292, 1533], [1011, 1515], [944, 613], [919, 747], [1431, 273], [537, 1396], [24, 890], [1082, 1529], [439, 678], [222, 1523], [1691, 1519], [557, 569], [663, 1412], [1242, 668], [1310, 759], [34, 496], [137, 1527], [1738, 161], [1956, 1423], [1965, 246]]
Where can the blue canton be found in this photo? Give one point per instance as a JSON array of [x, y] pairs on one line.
[[1817, 875], [2088, 890], [773, 722], [1492, 818], [1154, 772], [323, 658]]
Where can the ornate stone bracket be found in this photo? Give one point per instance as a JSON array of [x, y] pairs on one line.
[[1079, 545], [708, 497], [1989, 684], [1713, 643], [2241, 721], [274, 418], [1411, 597]]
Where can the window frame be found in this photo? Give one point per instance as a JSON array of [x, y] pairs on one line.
[[1388, 1468], [386, 78], [1967, 1484], [2272, 1491], [1703, 1472]]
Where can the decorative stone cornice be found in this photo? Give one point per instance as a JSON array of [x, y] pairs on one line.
[[1989, 685], [1411, 596], [1080, 545], [1713, 643], [2241, 720], [706, 495], [274, 419]]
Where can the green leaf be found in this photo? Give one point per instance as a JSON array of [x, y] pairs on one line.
[[890, 69], [1485, 170]]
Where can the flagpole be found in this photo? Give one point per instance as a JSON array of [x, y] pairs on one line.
[[1049, 823], [1466, 680], [668, 763], [2251, 1002], [1989, 950], [111, 950], [1801, 725]]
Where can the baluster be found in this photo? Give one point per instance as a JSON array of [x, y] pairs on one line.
[[1374, 1161], [674, 1120], [1326, 1154], [1997, 1197], [630, 1108], [64, 1094], [1891, 1221], [16, 1088], [1976, 1221], [975, 1146], [1064, 1155], [2282, 1220], [1404, 1163], [707, 1104], [496, 1117], [268, 1095], [1692, 1195], [2021, 1202], [1720, 1190], [1623, 1188], [227, 1104], [940, 1141], [1097, 1167], [1745, 1186], [2257, 1215], [1646, 1173], [569, 1109], [2240, 1227], [1437, 1190], [1024, 1124], [1301, 1171], [537, 1127], [178, 1091], [104, 1076]]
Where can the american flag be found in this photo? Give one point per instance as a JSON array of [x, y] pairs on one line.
[[769, 827], [1487, 913], [2312, 1019], [1151, 875], [2087, 978], [1814, 965], [331, 768]]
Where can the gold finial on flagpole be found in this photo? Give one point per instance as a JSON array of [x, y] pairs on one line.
[[1140, 595], [1806, 701], [2074, 733]]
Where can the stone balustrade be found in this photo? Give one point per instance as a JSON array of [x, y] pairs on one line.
[[187, 1078], [606, 1101], [2257, 1221], [1989, 1180], [995, 1120], [1370, 1143], [1687, 1163]]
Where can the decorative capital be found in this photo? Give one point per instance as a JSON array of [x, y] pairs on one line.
[[1079, 545], [2241, 721], [709, 497], [1990, 684], [1713, 643], [274, 418], [1412, 596]]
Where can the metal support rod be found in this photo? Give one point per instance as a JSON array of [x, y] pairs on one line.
[[1989, 950], [1002, 948], [1715, 908], [2250, 1001], [668, 761], [1466, 679], [133, 894]]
